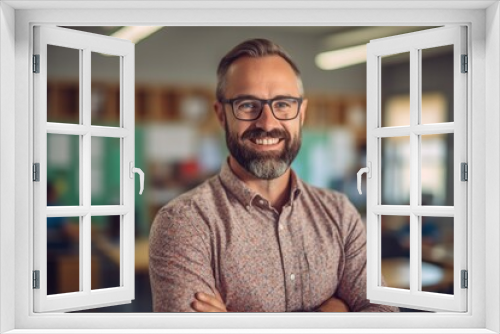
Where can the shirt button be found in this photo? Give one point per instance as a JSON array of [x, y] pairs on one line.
[[262, 202], [281, 227], [292, 277]]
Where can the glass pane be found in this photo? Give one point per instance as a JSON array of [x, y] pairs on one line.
[[105, 89], [395, 252], [105, 260], [437, 169], [437, 85], [63, 85], [437, 254], [63, 259], [395, 90], [105, 171], [63, 170], [395, 167]]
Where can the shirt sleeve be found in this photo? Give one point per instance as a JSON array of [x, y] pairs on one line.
[[180, 260], [352, 286]]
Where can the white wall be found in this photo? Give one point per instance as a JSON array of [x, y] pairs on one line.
[[7, 160], [492, 163]]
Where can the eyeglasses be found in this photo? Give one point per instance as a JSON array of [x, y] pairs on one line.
[[250, 109]]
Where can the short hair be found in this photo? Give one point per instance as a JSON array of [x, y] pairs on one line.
[[254, 48]]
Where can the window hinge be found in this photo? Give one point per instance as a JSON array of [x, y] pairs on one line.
[[465, 64], [36, 279], [465, 279], [36, 172], [464, 172], [36, 63]]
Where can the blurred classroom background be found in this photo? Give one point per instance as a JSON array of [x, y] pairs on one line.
[[179, 143]]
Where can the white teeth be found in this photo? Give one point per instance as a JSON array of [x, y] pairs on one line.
[[267, 141]]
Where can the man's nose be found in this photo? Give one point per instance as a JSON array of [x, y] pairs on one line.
[[267, 121]]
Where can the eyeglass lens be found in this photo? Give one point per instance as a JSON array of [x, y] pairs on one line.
[[250, 109]]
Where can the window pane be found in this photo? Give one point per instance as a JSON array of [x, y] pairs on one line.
[[437, 81], [105, 234], [105, 96], [105, 171], [437, 254], [63, 259], [63, 170], [395, 167], [437, 169], [63, 85], [395, 90], [395, 243]]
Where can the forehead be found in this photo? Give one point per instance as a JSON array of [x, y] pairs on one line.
[[264, 77]]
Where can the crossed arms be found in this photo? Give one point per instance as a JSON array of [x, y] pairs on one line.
[[208, 303], [183, 278]]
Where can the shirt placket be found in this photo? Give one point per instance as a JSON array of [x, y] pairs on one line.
[[291, 266]]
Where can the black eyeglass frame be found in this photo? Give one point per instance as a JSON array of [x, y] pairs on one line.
[[264, 102]]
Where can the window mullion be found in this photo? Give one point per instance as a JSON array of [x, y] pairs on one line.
[[123, 163], [85, 177], [415, 92], [66, 211]]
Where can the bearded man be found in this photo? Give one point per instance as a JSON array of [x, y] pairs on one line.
[[256, 238]]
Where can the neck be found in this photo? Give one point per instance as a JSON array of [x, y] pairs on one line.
[[275, 191]]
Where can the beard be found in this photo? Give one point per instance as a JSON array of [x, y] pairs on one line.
[[265, 165]]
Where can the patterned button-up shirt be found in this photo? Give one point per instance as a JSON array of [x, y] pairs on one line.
[[223, 235]]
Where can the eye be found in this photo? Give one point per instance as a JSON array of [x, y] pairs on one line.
[[247, 105], [283, 104]]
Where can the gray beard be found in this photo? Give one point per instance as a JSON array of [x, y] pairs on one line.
[[264, 165], [267, 168]]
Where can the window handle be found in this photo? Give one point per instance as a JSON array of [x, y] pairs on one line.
[[367, 170], [133, 170]]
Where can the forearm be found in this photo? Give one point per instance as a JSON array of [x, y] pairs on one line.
[[379, 308], [333, 304], [338, 305]]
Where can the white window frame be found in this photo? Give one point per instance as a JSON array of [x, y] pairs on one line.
[[84, 44], [414, 44], [483, 21]]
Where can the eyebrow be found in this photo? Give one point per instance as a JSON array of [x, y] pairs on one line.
[[247, 96]]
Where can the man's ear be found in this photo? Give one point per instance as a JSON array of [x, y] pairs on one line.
[[219, 112], [303, 109]]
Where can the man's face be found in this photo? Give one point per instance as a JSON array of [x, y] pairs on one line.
[[264, 147]]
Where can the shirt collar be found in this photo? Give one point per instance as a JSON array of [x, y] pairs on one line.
[[246, 195]]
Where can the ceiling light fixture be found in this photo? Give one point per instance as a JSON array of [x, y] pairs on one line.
[[136, 33], [332, 60]]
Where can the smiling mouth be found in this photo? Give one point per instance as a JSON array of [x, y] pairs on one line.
[[265, 141]]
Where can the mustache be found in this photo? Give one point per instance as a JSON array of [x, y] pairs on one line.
[[257, 133]]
